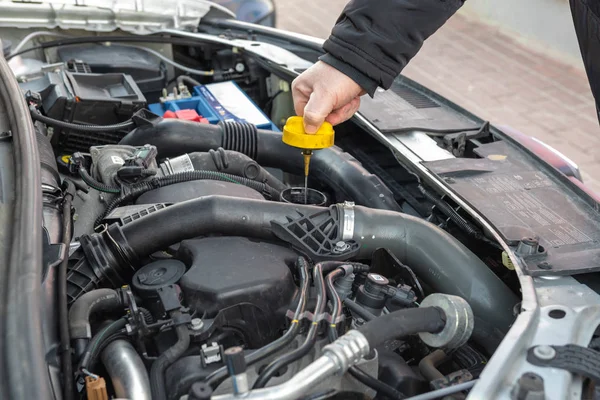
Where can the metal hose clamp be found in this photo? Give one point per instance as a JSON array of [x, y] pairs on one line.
[[348, 220]]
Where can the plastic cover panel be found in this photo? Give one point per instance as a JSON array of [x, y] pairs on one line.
[[403, 108], [522, 200]]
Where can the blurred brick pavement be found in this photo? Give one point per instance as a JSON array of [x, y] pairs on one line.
[[493, 76]]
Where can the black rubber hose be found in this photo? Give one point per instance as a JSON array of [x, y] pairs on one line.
[[402, 323], [137, 190], [444, 264], [63, 308], [311, 336], [92, 350], [331, 166], [126, 125], [359, 310], [98, 300], [215, 378], [380, 387], [157, 371], [336, 302], [101, 187]]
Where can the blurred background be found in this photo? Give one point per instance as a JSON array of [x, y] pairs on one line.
[[513, 62]]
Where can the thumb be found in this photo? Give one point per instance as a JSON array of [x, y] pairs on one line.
[[318, 107]]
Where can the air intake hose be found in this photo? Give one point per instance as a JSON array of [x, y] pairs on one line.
[[437, 257], [332, 166]]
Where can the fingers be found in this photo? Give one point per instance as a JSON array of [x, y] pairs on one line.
[[344, 113], [319, 106], [300, 94]]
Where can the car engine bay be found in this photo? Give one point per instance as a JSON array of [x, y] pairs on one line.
[[198, 269]]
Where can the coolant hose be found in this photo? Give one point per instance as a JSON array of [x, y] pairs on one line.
[[157, 372], [331, 166], [436, 257], [402, 323], [79, 315]]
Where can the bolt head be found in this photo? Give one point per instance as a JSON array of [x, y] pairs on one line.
[[544, 265], [544, 352], [196, 324]]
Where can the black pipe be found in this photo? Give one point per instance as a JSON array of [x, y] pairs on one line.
[[437, 257], [331, 166], [380, 387], [157, 372], [336, 302], [443, 263], [103, 337], [311, 336], [63, 309], [359, 310], [402, 323], [121, 126], [215, 378], [98, 300]]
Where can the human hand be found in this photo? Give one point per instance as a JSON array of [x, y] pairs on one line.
[[322, 93]]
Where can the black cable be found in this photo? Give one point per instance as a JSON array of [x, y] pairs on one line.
[[137, 190], [126, 125], [101, 346], [311, 337], [99, 186], [215, 378], [455, 217], [359, 310], [96, 341], [63, 309], [187, 79], [375, 384], [168, 357]]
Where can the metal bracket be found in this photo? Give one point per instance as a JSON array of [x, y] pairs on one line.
[[578, 360]]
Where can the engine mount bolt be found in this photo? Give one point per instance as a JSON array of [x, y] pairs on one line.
[[544, 352], [196, 324]]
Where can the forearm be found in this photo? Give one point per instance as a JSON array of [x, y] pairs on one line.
[[373, 40]]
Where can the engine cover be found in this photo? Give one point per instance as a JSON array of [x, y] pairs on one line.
[[226, 271]]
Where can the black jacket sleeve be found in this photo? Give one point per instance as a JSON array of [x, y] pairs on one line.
[[373, 40]]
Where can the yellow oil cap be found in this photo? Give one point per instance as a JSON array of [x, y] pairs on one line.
[[295, 136]]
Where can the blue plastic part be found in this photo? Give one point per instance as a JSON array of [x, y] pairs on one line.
[[209, 107]]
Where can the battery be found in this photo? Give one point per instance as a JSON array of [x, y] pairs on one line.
[[222, 101]]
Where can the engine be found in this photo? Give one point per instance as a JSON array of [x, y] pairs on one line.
[[200, 267]]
